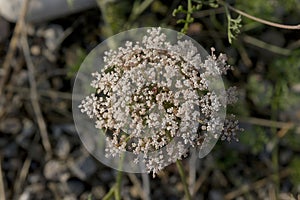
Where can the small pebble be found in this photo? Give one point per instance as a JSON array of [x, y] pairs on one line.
[[24, 138], [28, 127], [10, 126], [25, 195], [21, 78], [98, 192], [11, 150], [62, 148], [35, 50], [105, 175], [54, 170], [83, 167], [70, 129], [215, 195], [52, 36], [75, 186], [70, 197]]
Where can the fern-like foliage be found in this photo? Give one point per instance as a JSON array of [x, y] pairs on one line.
[[188, 12], [233, 26]]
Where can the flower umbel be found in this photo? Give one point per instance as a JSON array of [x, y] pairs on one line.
[[157, 99]]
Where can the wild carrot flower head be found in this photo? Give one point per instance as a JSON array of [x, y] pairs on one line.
[[155, 98]]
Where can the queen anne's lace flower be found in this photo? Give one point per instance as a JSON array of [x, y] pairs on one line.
[[152, 95]]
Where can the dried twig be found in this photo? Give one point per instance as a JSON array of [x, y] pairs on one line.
[[34, 95], [53, 94], [13, 45], [54, 189], [272, 192], [203, 176], [10, 53], [2, 188], [269, 47], [267, 123], [258, 184], [138, 9], [244, 55], [283, 26], [22, 177], [294, 45], [136, 182], [285, 129]]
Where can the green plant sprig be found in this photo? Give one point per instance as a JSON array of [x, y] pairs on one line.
[[189, 18], [233, 26]]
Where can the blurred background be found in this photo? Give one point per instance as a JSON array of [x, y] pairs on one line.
[[41, 49]]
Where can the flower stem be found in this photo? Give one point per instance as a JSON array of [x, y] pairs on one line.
[[119, 178], [183, 179], [118, 186], [110, 193], [188, 16]]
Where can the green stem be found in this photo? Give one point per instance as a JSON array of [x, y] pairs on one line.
[[116, 188], [110, 193], [228, 26], [138, 9], [119, 179], [188, 16], [183, 179], [269, 47], [182, 176]]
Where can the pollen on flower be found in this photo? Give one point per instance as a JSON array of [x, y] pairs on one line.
[[154, 99]]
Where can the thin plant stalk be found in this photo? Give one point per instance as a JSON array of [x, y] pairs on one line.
[[110, 193], [183, 179], [119, 179], [115, 190], [188, 16]]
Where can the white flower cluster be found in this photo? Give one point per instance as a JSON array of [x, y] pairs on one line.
[[152, 98]]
